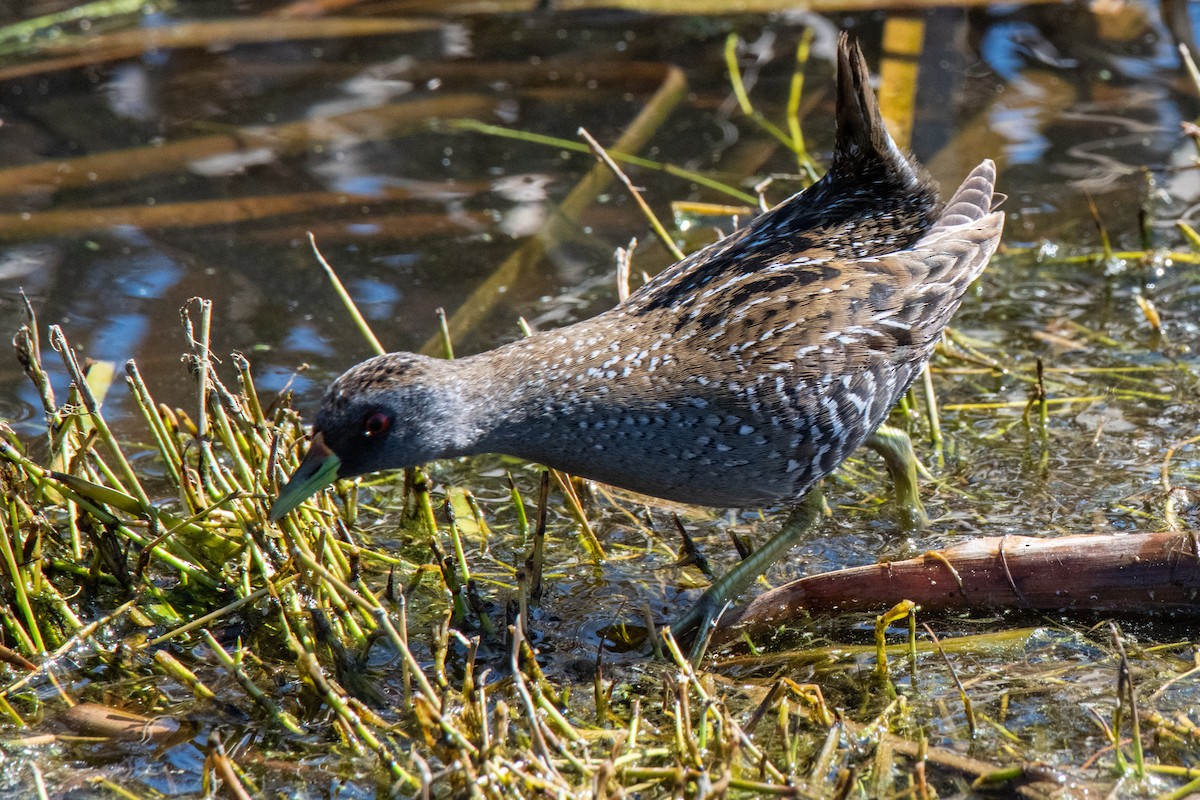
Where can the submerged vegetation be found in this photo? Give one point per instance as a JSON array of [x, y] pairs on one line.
[[406, 635]]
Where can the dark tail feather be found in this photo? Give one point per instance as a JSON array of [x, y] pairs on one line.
[[871, 188], [864, 152], [860, 128], [873, 200]]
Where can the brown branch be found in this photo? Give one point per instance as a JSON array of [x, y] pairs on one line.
[[1135, 574]]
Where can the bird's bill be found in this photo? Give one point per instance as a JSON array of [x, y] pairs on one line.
[[318, 469]]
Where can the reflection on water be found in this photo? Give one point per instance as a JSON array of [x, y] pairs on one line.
[[139, 182]]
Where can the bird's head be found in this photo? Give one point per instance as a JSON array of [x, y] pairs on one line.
[[390, 412]]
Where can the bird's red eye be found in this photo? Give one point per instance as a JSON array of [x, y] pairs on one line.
[[376, 424]]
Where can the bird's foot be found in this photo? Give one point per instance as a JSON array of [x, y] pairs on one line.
[[702, 618], [896, 448], [699, 622]]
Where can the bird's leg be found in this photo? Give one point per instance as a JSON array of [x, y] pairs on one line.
[[897, 451], [708, 608]]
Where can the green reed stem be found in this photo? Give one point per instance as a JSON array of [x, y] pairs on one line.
[[475, 126], [171, 457], [931, 413], [795, 92], [59, 341], [460, 554], [233, 665], [175, 669], [249, 392], [29, 634], [22, 35], [659, 231], [235, 446], [743, 98], [360, 322], [519, 510], [444, 330], [353, 721]]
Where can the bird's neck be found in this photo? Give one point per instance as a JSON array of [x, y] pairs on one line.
[[527, 395]]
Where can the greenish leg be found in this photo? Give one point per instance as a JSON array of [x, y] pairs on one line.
[[897, 451], [703, 614]]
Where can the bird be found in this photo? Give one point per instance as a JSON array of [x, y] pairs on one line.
[[739, 377]]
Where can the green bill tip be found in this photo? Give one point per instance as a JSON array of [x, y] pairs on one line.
[[318, 469]]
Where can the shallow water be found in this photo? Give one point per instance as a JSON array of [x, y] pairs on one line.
[[417, 214]]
